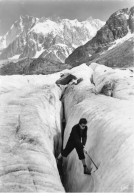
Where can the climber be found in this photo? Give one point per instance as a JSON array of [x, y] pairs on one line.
[[77, 140]]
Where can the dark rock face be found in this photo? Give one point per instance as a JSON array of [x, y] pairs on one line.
[[17, 37], [118, 23], [56, 53], [23, 25], [43, 66], [117, 26], [78, 57], [131, 20], [29, 66], [120, 56], [12, 68], [66, 79], [16, 47]]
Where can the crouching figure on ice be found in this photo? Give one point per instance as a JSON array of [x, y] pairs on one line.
[[77, 140]]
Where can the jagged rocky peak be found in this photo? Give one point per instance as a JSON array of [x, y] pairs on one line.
[[117, 26], [30, 36], [28, 22], [94, 21], [23, 25], [118, 23]]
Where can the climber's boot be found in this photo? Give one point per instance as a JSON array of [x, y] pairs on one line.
[[86, 170]]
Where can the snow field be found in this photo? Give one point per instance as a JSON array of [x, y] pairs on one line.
[[30, 128]]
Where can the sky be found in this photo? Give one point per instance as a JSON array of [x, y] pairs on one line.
[[10, 10]]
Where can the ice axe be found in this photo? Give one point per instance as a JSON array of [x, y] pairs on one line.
[[91, 160]]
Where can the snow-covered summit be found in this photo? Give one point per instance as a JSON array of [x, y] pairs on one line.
[[29, 35], [46, 27]]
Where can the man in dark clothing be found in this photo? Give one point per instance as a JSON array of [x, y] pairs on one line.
[[77, 140]]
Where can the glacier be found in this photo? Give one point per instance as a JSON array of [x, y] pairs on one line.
[[110, 134], [30, 134], [31, 127]]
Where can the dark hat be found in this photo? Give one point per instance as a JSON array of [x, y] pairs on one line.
[[83, 121]]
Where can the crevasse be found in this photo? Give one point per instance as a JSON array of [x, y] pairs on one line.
[[30, 134], [30, 131]]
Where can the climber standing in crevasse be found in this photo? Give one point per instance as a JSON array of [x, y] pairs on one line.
[[77, 140]]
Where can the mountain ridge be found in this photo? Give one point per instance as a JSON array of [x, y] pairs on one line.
[[117, 26], [112, 46], [30, 35]]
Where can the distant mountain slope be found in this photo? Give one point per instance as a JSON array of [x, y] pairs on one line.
[[32, 37], [120, 24], [29, 66], [122, 55]]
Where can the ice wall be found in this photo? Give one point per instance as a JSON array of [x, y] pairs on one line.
[[122, 81], [30, 132], [110, 138]]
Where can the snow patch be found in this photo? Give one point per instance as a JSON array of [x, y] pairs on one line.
[[3, 42], [127, 16], [55, 52], [74, 45], [46, 27], [38, 53], [121, 40], [15, 57], [12, 27]]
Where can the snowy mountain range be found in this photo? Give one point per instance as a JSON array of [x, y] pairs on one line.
[[50, 38], [46, 46]]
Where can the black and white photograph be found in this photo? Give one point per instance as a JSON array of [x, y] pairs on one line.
[[66, 96]]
